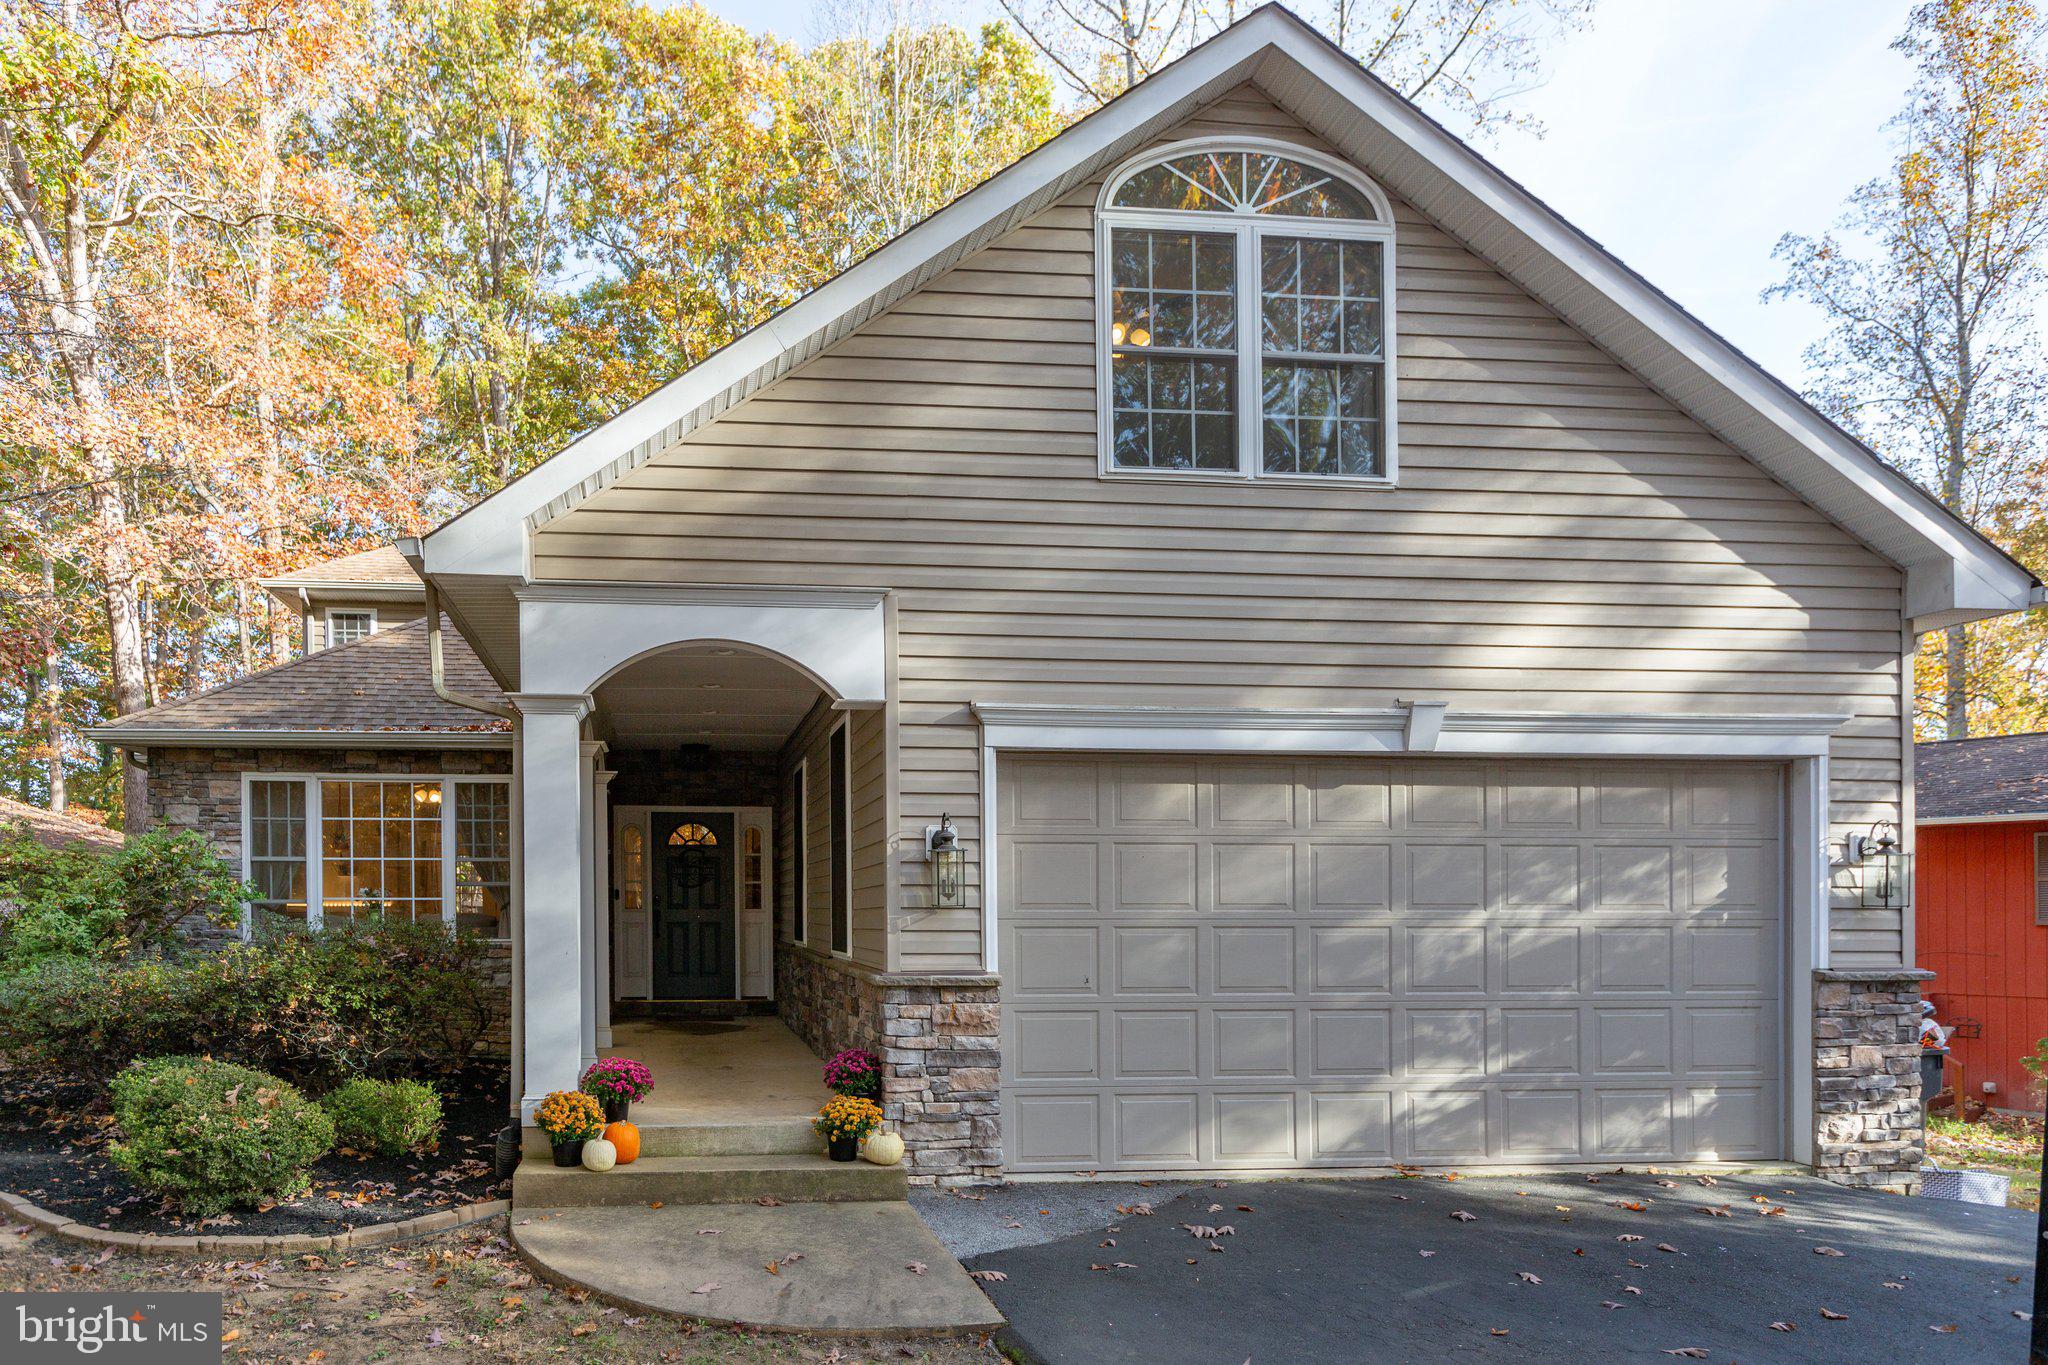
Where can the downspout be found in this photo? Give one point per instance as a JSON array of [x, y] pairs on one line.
[[440, 679]]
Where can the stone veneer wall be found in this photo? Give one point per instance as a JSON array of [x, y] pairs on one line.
[[201, 789], [1868, 1120], [938, 1038]]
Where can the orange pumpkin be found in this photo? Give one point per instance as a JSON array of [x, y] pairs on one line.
[[626, 1138]]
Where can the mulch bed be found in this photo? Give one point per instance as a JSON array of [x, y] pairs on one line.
[[52, 1151]]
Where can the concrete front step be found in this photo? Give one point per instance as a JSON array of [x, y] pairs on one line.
[[673, 1180], [755, 1137]]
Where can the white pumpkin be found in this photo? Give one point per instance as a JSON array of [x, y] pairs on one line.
[[883, 1149], [599, 1155]]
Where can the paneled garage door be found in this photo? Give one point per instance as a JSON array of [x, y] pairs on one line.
[[1222, 962]]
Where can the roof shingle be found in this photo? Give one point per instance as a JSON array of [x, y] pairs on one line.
[[382, 565], [2001, 775], [376, 685]]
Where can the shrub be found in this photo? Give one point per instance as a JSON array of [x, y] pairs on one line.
[[81, 903], [320, 1008], [76, 1019], [389, 1118], [213, 1135]]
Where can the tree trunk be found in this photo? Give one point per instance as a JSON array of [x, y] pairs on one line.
[[1956, 691], [270, 516], [53, 688]]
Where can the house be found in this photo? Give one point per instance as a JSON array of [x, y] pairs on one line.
[[55, 829], [1244, 642], [1982, 871]]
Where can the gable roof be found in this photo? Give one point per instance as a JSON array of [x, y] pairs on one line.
[[376, 690], [1953, 573], [1972, 779], [380, 574], [54, 830]]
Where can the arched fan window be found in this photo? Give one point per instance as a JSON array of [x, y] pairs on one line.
[[692, 836], [1203, 246]]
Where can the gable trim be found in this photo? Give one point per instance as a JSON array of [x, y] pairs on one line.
[[1953, 574]]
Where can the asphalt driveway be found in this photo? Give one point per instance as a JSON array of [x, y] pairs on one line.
[[1562, 1267]]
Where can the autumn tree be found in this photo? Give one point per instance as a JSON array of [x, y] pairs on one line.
[[910, 113], [1465, 59], [1931, 284]]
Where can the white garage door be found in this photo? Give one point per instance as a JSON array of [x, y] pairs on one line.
[[1224, 962]]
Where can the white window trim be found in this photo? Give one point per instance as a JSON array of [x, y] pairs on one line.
[[845, 878], [1247, 228], [327, 623], [799, 854], [315, 911]]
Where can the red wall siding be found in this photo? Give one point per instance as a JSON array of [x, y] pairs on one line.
[[1976, 930]]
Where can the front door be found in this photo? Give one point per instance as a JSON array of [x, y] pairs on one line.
[[693, 906]]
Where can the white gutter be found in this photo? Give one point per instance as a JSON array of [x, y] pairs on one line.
[[132, 738]]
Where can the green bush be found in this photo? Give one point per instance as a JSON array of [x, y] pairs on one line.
[[80, 1019], [213, 1135], [81, 903], [389, 1118], [319, 1008]]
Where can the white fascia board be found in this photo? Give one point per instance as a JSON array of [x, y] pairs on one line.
[[122, 737], [2018, 817], [1386, 730]]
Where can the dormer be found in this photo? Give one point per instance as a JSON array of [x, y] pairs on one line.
[[346, 599]]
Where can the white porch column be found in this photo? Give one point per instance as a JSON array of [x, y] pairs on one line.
[[601, 896], [554, 796], [590, 755]]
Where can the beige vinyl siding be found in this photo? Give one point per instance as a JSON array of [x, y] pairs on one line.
[[1562, 538], [866, 752], [387, 614]]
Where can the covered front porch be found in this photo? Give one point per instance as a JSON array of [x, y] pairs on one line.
[[683, 783]]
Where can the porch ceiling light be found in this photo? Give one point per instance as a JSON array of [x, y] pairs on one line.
[[949, 864]]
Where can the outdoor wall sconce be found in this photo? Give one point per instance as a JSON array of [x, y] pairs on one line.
[[1887, 869], [949, 864]]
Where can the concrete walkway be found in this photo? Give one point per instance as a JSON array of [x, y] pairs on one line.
[[838, 1268], [1550, 1268]]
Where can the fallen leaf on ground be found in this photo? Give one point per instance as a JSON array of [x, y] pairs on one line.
[[704, 1289], [1632, 1205], [916, 1267], [1708, 1180], [1500, 1331], [655, 1204], [766, 1201], [1464, 1217], [1609, 1303], [1715, 1211], [2023, 1315], [709, 1232], [1666, 1246], [1690, 1352], [582, 1329], [232, 1334], [1630, 1237], [1944, 1328], [1783, 1327], [992, 1276], [1630, 1289], [1425, 1253], [1525, 1275], [1893, 1284], [1832, 1316], [1826, 1251]]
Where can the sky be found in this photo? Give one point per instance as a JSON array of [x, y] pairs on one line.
[[1686, 136]]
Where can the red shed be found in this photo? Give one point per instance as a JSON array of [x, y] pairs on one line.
[[1982, 916]]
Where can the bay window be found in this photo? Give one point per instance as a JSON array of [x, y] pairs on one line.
[[321, 849], [1246, 319]]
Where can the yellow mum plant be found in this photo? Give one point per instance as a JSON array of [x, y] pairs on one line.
[[570, 1116], [847, 1116]]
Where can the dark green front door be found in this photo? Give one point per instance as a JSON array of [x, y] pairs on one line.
[[693, 906]]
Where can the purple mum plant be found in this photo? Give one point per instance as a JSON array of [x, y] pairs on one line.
[[618, 1078], [855, 1071]]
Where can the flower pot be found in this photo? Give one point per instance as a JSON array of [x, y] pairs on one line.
[[615, 1111], [505, 1158], [568, 1153], [843, 1149]]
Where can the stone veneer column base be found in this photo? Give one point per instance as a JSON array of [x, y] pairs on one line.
[[938, 1040], [1868, 1124]]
